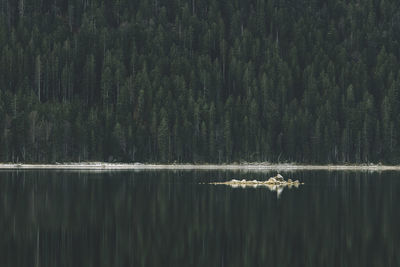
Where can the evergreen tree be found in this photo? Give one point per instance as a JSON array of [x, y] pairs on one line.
[[163, 138], [199, 81]]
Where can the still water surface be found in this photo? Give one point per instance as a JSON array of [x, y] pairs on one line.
[[167, 218]]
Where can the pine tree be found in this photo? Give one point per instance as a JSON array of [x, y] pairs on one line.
[[235, 81], [163, 138]]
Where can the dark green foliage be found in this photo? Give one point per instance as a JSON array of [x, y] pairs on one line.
[[199, 81]]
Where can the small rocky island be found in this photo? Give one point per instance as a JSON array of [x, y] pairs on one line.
[[276, 181]]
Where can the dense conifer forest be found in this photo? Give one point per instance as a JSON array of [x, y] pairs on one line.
[[200, 81]]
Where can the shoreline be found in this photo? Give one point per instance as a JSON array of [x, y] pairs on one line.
[[250, 167]]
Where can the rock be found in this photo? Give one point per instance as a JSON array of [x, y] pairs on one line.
[[279, 178], [271, 182]]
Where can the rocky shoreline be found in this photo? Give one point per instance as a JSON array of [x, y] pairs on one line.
[[242, 167]]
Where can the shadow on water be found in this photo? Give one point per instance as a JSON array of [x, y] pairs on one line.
[[167, 218]]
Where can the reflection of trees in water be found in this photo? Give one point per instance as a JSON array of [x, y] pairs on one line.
[[166, 218]]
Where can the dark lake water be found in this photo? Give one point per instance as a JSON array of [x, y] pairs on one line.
[[167, 218]]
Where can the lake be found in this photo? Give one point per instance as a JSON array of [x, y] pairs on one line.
[[174, 218]]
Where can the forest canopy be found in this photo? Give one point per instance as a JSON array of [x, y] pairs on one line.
[[200, 81]]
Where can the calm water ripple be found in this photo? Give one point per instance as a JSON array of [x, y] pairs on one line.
[[167, 218]]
